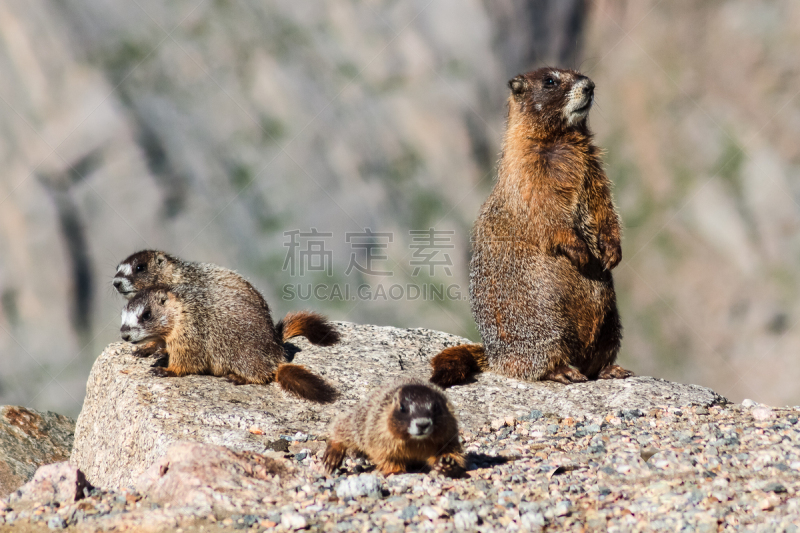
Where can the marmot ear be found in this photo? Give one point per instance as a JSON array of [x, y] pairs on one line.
[[162, 298], [517, 85], [160, 259], [396, 398]]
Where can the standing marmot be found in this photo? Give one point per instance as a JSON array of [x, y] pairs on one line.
[[215, 330], [152, 267], [544, 245], [409, 424]]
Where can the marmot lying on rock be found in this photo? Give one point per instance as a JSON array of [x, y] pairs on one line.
[[219, 331], [406, 425]]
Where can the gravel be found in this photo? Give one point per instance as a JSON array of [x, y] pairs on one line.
[[702, 469]]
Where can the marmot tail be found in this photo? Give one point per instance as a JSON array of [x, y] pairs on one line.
[[312, 326], [455, 365], [303, 383]]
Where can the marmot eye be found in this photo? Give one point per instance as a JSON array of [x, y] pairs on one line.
[[146, 315], [549, 82], [141, 268], [403, 409]]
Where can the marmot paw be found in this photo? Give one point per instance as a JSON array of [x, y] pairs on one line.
[[578, 252], [610, 250], [162, 372], [333, 456], [449, 465], [614, 372], [565, 374], [235, 379], [389, 467], [147, 350]]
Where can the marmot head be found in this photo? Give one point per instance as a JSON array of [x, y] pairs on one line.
[[550, 100], [416, 412], [143, 269], [149, 314]]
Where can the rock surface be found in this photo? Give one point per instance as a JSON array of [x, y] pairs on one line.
[[57, 482], [697, 468], [29, 439], [205, 477], [130, 418]]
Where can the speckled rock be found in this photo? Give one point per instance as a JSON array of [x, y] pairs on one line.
[[205, 477], [29, 439], [57, 482], [130, 418], [693, 468]]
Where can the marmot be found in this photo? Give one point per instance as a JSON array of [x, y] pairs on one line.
[[212, 329], [408, 424], [544, 244], [152, 267]]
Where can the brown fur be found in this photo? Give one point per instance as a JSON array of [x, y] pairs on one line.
[[312, 326], [302, 383], [380, 427], [153, 267], [456, 364], [545, 242], [219, 331]]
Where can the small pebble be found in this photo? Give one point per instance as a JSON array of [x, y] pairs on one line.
[[409, 512], [56, 522], [356, 487], [532, 521], [465, 520], [429, 512], [293, 521], [562, 508], [774, 487], [762, 413]]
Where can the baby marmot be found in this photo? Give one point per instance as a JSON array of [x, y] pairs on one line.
[[216, 330], [544, 245], [406, 425]]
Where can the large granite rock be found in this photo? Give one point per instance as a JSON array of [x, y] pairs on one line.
[[28, 440], [208, 478], [129, 417]]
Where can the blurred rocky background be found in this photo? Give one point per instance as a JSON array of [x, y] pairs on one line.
[[228, 131]]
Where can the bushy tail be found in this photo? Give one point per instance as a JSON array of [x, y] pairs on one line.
[[305, 384], [454, 365], [312, 326]]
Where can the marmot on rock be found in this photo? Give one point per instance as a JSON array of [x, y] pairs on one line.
[[216, 330], [544, 244], [407, 425], [152, 267]]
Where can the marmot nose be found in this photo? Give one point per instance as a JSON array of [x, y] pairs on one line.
[[421, 425], [117, 283], [126, 336], [588, 87]]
